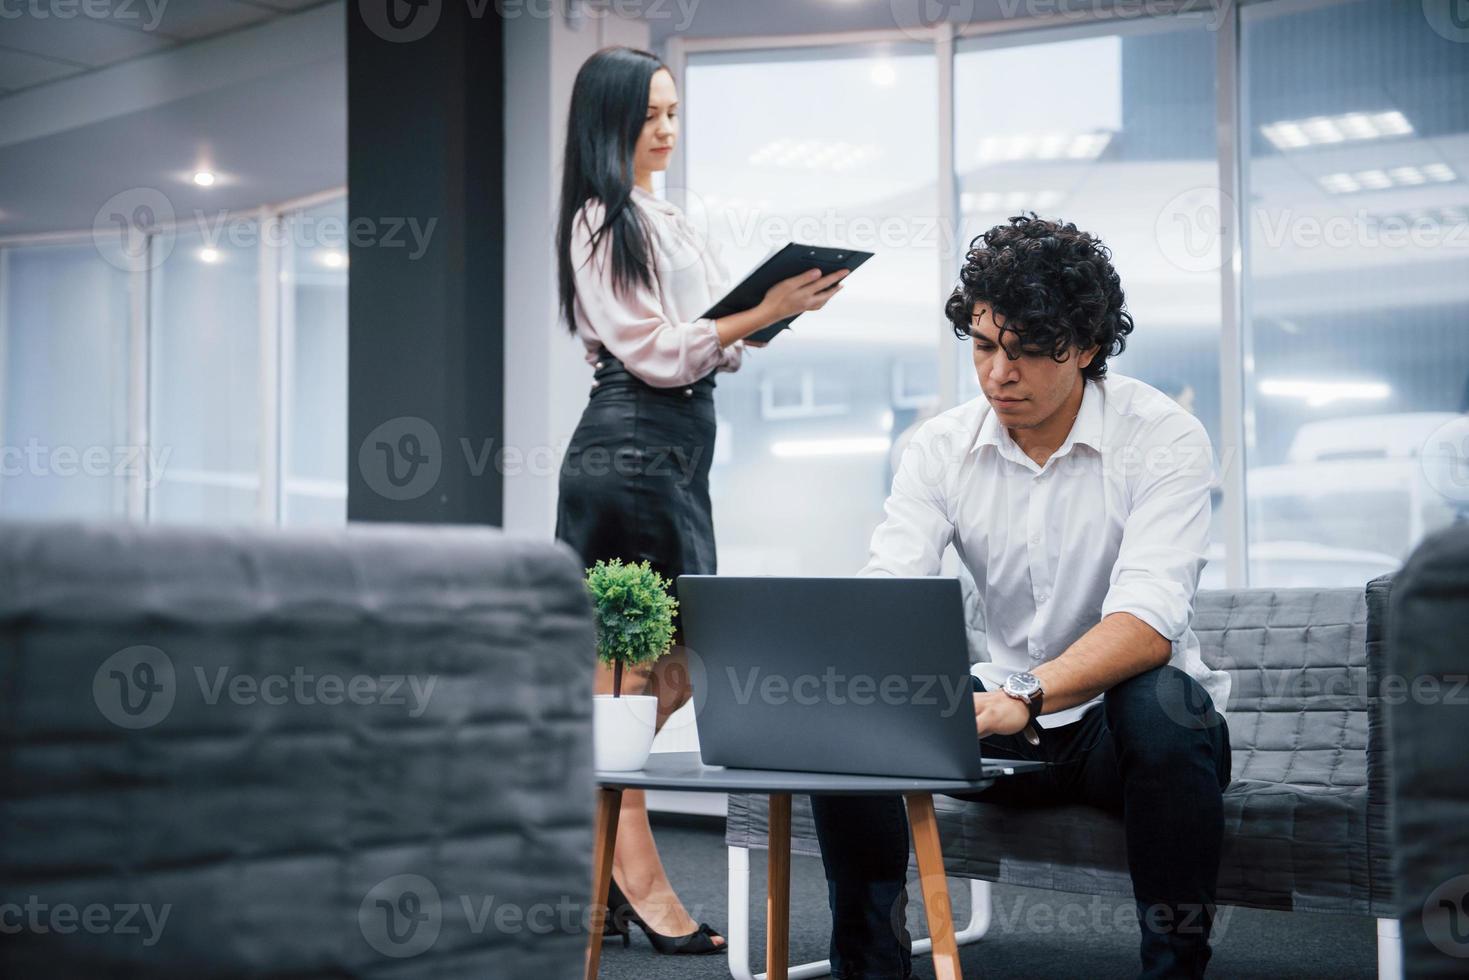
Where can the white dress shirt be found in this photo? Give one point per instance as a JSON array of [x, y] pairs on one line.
[[1117, 520], [658, 332]]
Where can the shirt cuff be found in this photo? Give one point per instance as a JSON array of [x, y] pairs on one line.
[[732, 356], [1154, 604]]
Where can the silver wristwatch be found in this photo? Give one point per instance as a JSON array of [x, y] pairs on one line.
[[1026, 688]]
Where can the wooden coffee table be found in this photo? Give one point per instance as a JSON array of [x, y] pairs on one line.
[[683, 771]]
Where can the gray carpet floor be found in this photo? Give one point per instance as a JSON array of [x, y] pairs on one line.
[[1033, 934]]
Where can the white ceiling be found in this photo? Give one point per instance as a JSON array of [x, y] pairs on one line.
[[254, 93], [64, 42]]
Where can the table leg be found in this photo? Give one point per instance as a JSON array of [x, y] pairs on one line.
[[935, 886], [609, 807], [778, 892]]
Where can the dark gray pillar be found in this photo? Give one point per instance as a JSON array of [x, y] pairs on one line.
[[425, 139]]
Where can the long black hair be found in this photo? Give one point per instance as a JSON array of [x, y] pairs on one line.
[[609, 106]]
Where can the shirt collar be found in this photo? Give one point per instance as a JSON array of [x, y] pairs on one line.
[[1086, 430]]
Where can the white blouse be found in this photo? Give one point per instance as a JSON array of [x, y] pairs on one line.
[[657, 331]]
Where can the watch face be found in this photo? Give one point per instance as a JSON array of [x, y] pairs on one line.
[[1024, 683]]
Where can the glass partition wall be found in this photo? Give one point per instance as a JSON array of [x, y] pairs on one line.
[[1282, 183], [1282, 186], [807, 426], [195, 373]]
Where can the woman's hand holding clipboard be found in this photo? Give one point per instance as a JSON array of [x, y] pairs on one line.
[[794, 280]]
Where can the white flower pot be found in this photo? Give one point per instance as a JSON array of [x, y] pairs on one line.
[[622, 731]]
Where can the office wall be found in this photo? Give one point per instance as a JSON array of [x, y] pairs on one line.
[[547, 380]]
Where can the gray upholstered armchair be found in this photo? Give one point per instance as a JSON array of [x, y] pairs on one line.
[[309, 753], [1428, 732]]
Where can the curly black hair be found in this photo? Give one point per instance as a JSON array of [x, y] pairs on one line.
[[1054, 286]]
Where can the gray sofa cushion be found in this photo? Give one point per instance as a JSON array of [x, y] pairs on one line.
[[1429, 733], [1297, 814], [270, 832]]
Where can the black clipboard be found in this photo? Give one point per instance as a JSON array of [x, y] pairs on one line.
[[792, 260]]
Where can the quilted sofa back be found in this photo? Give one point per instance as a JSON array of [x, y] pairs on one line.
[[315, 753], [1299, 692]]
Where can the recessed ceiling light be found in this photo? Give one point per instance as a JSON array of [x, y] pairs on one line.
[[1295, 134], [210, 255], [204, 178], [1042, 146], [1318, 393], [1374, 180], [1377, 180]]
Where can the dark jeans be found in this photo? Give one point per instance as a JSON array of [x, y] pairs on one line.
[[1155, 752]]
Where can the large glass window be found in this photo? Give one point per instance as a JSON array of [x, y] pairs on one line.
[[1115, 134], [206, 378], [314, 367], [64, 446], [228, 380], [1356, 135], [808, 425]]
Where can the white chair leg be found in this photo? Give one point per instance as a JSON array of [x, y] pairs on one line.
[[979, 913], [1389, 950], [738, 932], [738, 935]]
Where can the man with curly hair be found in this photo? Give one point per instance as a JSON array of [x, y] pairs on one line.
[[1079, 501]]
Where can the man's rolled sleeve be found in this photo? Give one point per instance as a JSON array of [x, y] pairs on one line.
[[1166, 532]]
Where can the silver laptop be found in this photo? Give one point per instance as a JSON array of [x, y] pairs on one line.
[[867, 676]]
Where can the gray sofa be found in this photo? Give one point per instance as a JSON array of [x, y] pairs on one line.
[[1306, 817], [175, 803], [1428, 644]]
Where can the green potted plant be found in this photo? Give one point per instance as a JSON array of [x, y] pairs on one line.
[[634, 615]]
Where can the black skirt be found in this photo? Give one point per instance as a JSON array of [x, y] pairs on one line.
[[635, 480]]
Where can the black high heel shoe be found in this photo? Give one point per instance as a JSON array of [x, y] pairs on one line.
[[620, 913], [614, 923]]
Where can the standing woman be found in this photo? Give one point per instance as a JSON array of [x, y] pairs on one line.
[[634, 281]]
